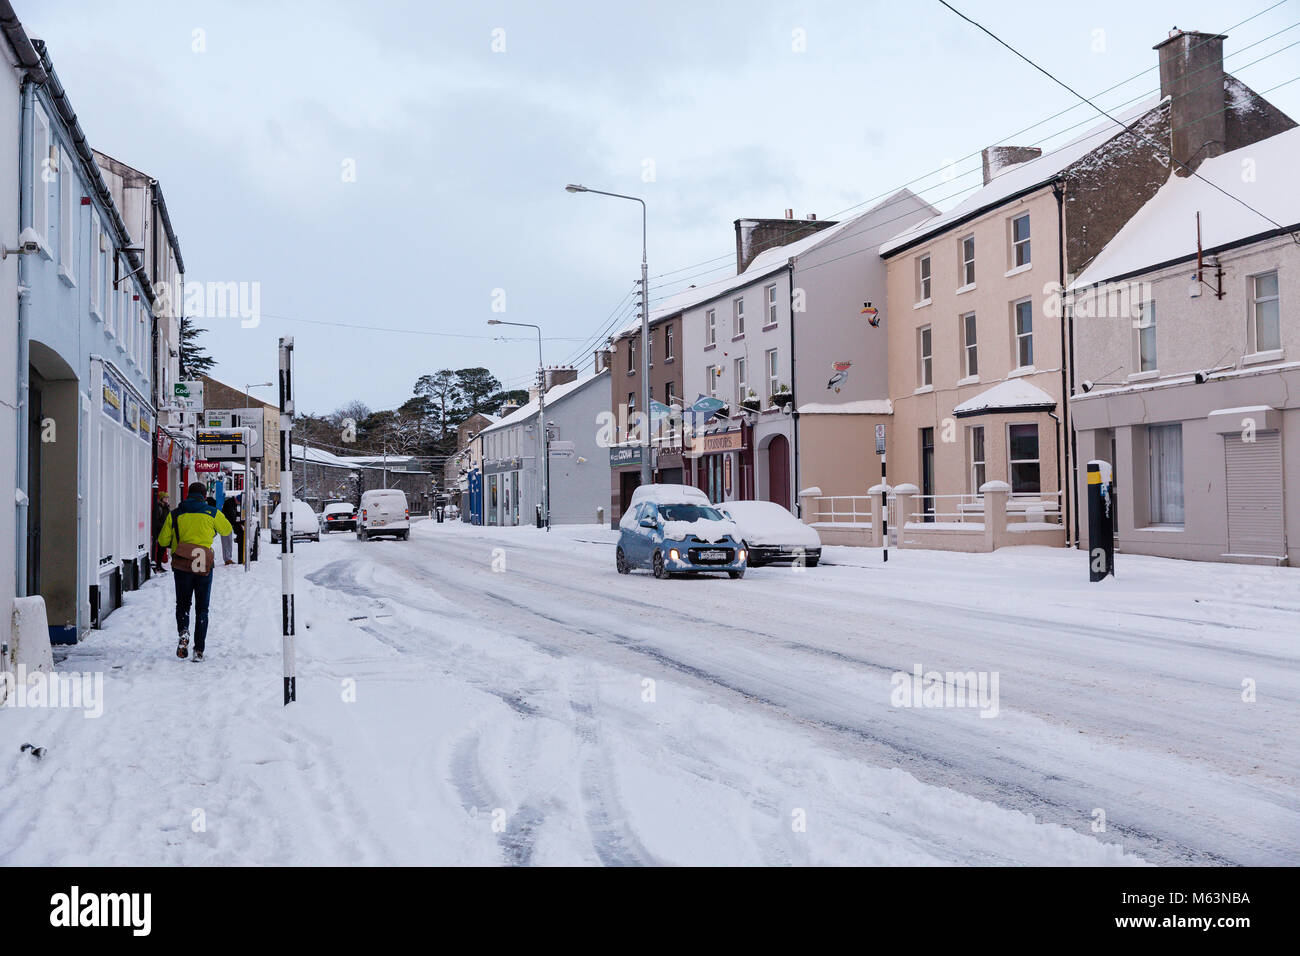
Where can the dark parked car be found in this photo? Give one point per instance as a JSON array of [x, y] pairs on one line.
[[339, 516]]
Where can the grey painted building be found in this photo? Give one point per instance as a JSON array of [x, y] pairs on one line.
[[579, 471]]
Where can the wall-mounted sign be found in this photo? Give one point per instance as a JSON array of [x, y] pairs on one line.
[[188, 395], [561, 449], [205, 467], [880, 439], [132, 417], [112, 397], [620, 455], [723, 441], [726, 476]]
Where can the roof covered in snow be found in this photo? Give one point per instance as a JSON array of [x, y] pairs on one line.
[[1013, 394], [868, 406], [553, 397], [1164, 230], [1018, 178], [764, 264]]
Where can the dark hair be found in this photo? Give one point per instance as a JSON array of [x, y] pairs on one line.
[[198, 488]]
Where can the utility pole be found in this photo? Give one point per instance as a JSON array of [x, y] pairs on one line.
[[286, 516]]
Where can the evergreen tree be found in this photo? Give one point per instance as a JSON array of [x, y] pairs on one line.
[[195, 360]]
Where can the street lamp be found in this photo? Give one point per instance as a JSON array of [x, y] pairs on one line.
[[541, 417], [645, 326]]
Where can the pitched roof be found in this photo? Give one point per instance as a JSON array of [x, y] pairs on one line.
[[553, 396], [1021, 177], [1013, 394], [1163, 231]]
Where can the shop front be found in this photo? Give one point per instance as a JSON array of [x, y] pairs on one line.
[[723, 466], [502, 486], [625, 478]]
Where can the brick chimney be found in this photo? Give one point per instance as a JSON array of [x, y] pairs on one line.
[[754, 236], [560, 375], [1191, 74], [998, 158]]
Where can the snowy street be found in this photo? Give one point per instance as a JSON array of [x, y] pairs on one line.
[[485, 696]]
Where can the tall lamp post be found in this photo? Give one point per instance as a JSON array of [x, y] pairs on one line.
[[541, 418], [645, 327]]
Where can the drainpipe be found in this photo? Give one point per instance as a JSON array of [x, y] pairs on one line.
[[794, 405], [25, 205], [1067, 332]]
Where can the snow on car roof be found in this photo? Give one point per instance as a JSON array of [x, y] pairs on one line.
[[669, 494], [765, 522]]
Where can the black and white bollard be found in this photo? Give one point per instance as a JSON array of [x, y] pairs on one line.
[[286, 515], [1101, 521]]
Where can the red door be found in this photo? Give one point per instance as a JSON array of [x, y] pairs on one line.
[[778, 471]]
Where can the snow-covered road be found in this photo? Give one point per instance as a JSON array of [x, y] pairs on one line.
[[502, 695]]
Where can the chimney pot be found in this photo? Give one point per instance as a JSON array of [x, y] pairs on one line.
[[789, 214]]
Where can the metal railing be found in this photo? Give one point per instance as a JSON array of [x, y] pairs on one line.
[[857, 511]]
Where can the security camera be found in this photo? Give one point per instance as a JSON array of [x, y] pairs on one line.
[[1086, 385], [29, 241]]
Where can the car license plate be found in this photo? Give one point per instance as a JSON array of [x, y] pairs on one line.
[[712, 555]]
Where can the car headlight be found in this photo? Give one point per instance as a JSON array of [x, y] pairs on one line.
[[743, 554], [674, 555]]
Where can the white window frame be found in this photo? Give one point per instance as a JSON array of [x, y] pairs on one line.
[[925, 356], [1145, 323], [924, 278], [668, 342], [978, 459], [96, 266], [68, 206], [631, 356], [711, 327], [772, 362], [1012, 462], [1019, 246], [1255, 301], [650, 348], [966, 255], [771, 304], [970, 359], [1161, 513], [1019, 337], [41, 140], [742, 386], [711, 387], [738, 317]]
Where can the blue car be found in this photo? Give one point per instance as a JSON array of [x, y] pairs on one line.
[[679, 538]]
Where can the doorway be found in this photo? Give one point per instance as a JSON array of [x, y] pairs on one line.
[[927, 475], [778, 471]]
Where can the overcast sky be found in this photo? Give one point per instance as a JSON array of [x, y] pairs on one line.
[[461, 152]]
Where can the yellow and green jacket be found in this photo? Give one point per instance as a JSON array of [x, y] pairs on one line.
[[196, 522]]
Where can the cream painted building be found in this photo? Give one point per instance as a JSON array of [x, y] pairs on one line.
[[1195, 397], [979, 365]]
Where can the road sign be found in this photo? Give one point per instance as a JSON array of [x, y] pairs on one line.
[[220, 436], [880, 439], [233, 419]]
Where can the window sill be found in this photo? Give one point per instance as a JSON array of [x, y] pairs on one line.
[[1179, 528], [922, 304], [1017, 270], [1258, 358], [966, 288], [738, 338], [96, 315], [631, 372], [66, 276], [669, 360], [924, 389], [969, 380], [710, 348], [768, 328], [1022, 370], [1144, 376]]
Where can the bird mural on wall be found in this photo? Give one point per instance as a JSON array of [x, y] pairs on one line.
[[872, 314], [841, 375]]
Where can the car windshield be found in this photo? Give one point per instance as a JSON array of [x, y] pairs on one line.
[[689, 513]]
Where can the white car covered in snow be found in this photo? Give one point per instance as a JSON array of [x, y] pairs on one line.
[[772, 534], [306, 523]]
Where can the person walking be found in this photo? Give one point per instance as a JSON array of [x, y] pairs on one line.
[[161, 508], [188, 531], [231, 510]]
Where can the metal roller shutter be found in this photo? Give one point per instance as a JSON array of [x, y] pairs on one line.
[[1255, 495]]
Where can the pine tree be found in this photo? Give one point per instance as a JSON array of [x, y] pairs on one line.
[[195, 360]]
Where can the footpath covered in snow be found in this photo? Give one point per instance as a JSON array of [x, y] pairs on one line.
[[489, 696]]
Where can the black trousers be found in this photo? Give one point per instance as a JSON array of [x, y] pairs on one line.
[[198, 588]]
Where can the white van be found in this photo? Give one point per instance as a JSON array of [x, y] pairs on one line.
[[384, 511]]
